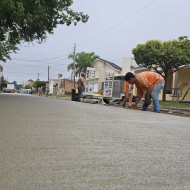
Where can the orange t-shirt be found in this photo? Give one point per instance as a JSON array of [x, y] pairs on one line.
[[146, 80], [127, 88]]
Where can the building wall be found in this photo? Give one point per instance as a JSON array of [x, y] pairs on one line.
[[29, 82], [128, 62], [101, 68], [68, 86], [51, 85], [65, 87], [184, 77]]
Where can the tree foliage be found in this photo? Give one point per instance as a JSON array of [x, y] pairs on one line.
[[82, 61], [3, 82], [164, 57], [28, 86], [29, 20], [38, 84]]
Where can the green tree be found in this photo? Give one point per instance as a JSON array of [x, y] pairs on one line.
[[82, 61], [38, 84], [28, 86], [6, 48], [30, 20], [3, 82], [164, 57]]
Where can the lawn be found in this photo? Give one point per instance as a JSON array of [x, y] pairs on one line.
[[64, 95], [171, 104]]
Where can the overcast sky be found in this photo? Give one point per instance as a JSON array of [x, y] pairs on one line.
[[113, 30]]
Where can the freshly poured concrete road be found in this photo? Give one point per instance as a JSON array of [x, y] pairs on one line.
[[63, 145]]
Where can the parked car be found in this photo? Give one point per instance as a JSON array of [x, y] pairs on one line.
[[6, 90]]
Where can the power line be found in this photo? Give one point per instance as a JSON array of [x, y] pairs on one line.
[[116, 25], [18, 64], [39, 66], [39, 59]]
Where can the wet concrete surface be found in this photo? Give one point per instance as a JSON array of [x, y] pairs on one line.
[[57, 144]]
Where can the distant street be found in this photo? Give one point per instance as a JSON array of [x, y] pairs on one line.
[[50, 144]]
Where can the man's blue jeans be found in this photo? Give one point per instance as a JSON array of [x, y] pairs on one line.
[[155, 91], [80, 91], [154, 95]]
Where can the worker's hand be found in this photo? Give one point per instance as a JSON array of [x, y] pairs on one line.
[[133, 106]]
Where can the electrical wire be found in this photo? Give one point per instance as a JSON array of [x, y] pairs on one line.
[[38, 59], [116, 25]]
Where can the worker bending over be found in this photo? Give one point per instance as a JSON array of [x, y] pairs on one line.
[[147, 82]]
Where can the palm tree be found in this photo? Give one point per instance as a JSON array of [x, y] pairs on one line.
[[83, 60]]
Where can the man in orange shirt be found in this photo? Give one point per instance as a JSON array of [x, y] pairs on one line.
[[150, 83], [128, 90], [40, 91]]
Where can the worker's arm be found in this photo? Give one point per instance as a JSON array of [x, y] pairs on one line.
[[149, 91], [139, 96]]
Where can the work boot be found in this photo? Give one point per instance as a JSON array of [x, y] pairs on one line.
[[124, 105], [144, 107]]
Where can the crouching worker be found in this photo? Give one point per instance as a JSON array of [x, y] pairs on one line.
[[128, 91], [150, 83]]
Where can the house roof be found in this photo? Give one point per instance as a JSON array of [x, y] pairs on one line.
[[113, 65]]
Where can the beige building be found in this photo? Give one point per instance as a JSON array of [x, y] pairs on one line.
[[101, 66], [29, 82], [61, 86], [177, 85]]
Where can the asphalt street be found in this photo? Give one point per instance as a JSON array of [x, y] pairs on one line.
[[50, 144]]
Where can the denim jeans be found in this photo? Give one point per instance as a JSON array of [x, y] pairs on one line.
[[80, 91], [155, 91]]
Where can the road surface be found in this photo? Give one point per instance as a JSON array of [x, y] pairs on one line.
[[49, 144]]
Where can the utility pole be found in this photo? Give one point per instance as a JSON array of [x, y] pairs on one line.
[[48, 73], [74, 66], [38, 77]]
